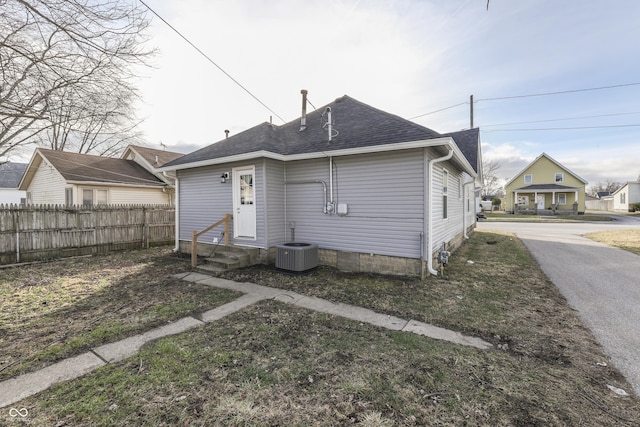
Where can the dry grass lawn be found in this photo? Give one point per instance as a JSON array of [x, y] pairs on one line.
[[629, 240], [273, 364]]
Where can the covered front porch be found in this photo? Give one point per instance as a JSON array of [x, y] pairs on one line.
[[546, 199]]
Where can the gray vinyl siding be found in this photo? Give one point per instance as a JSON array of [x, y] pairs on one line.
[[204, 200], [444, 230], [385, 196], [384, 192], [274, 198]]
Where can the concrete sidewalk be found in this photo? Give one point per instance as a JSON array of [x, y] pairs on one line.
[[16, 389]]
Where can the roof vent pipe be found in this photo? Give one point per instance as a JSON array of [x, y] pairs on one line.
[[303, 117], [226, 133]]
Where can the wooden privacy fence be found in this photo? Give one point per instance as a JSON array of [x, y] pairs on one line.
[[31, 233]]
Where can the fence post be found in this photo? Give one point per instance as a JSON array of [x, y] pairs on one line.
[[16, 226]]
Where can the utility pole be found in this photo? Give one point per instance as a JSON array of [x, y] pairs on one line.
[[471, 110]]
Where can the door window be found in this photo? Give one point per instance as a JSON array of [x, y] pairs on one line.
[[246, 189]]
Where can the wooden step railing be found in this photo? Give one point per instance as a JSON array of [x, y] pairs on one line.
[[194, 237]]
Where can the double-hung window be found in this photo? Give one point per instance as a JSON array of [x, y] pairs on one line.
[[94, 196]]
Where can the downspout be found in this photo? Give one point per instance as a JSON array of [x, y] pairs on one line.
[[429, 251], [176, 249], [464, 216]]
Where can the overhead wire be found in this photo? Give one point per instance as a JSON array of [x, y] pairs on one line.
[[528, 96], [562, 119], [564, 128], [437, 111], [211, 61], [557, 93]]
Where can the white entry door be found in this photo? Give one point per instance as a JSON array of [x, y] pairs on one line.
[[541, 200], [244, 207]]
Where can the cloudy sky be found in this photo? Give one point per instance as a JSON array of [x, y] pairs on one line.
[[410, 58]]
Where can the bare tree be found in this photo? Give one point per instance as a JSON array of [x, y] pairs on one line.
[[67, 69], [490, 184], [609, 186]]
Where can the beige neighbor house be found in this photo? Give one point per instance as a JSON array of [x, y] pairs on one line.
[[545, 186], [63, 178]]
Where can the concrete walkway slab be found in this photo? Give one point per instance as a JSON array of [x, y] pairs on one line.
[[230, 308], [16, 389], [438, 333], [128, 347]]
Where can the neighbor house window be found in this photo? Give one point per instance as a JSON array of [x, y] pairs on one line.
[[562, 199], [528, 178], [92, 196], [623, 198], [445, 193], [68, 196], [559, 177]]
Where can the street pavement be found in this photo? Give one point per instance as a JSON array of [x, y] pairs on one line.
[[601, 282]]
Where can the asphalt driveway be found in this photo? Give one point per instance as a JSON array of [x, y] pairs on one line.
[[600, 281]]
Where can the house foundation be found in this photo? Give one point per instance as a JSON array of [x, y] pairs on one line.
[[346, 261]]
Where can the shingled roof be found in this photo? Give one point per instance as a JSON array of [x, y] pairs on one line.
[[76, 167], [355, 125], [154, 157], [469, 142], [11, 174]]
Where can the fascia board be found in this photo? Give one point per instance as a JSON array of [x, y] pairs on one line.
[[30, 172], [113, 184], [331, 153]]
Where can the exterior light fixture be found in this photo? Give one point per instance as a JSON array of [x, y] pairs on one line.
[[224, 177]]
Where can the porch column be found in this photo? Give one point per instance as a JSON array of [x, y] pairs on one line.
[[515, 202], [553, 197]]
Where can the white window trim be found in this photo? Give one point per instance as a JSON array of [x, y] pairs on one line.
[[68, 200], [94, 196], [562, 195], [555, 177], [530, 175]]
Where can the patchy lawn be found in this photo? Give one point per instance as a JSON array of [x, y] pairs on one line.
[[49, 311], [275, 364], [629, 240]]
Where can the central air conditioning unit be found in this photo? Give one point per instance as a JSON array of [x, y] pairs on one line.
[[296, 256]]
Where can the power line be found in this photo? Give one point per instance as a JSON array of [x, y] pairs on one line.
[[437, 111], [562, 119], [567, 128], [211, 61], [528, 96], [558, 92]]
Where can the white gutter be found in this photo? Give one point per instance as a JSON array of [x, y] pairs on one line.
[[176, 249], [429, 251], [464, 216]]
